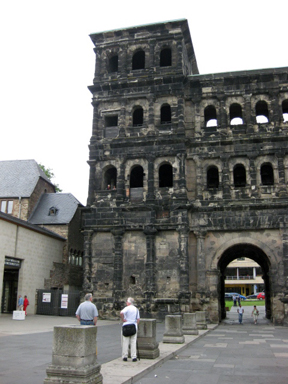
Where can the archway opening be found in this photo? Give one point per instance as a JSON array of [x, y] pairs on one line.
[[251, 252]]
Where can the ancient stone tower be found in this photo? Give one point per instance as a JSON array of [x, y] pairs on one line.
[[187, 173]]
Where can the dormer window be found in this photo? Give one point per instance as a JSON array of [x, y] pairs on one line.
[[53, 211]]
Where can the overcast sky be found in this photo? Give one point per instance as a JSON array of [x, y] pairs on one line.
[[47, 62]]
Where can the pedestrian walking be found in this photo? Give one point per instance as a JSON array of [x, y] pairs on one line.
[[130, 318], [25, 304], [234, 300], [240, 311], [255, 314], [20, 303], [239, 300], [87, 312]]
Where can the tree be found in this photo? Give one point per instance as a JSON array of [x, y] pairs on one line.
[[50, 174]]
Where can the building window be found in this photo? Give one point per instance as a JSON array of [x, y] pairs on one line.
[[212, 177], [136, 177], [111, 121], [285, 110], [138, 117], [7, 206], [113, 64], [110, 178], [262, 113], [138, 60], [165, 176], [235, 114], [239, 174], [267, 175], [166, 114], [53, 211], [210, 116], [165, 57]]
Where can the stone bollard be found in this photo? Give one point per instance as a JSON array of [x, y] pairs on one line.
[[189, 324], [146, 338], [74, 356], [201, 320], [173, 330]]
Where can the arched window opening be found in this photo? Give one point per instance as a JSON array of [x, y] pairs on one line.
[[262, 113], [166, 176], [165, 57], [138, 60], [136, 177], [138, 117], [110, 178], [235, 114], [113, 64], [267, 175], [166, 114], [111, 121], [285, 110], [239, 174], [212, 177], [210, 116]]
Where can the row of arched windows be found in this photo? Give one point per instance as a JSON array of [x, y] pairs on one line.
[[165, 177], [239, 175], [210, 115], [75, 257], [138, 60], [236, 117]]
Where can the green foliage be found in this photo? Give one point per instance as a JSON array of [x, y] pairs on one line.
[[50, 174]]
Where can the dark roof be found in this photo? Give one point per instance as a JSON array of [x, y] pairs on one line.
[[63, 205], [19, 177], [32, 227]]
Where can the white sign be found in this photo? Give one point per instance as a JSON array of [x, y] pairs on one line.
[[18, 315], [64, 301], [46, 298]]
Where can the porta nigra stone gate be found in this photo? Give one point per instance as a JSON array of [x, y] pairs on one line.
[[187, 173]]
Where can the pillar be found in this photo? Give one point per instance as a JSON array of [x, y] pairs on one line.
[[118, 263], [87, 257], [150, 266], [173, 330], [146, 338], [189, 324]]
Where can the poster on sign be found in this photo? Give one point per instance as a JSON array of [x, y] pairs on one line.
[[64, 301], [46, 298], [18, 315]]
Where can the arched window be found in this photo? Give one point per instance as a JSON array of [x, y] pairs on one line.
[[136, 177], [210, 116], [165, 176], [239, 174], [110, 178], [165, 57], [113, 64], [166, 114], [138, 117], [212, 177], [262, 113], [285, 110], [138, 60], [267, 175], [235, 111]]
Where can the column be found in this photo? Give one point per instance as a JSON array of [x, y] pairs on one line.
[[87, 260], [120, 185], [118, 263], [150, 265], [183, 232], [150, 179], [201, 265]]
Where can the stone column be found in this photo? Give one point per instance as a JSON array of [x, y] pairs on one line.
[[201, 320], [150, 265], [173, 330], [226, 183], [150, 179], [180, 116], [183, 231], [189, 324], [146, 338], [87, 259], [118, 263], [120, 185], [201, 262], [92, 186], [74, 356]]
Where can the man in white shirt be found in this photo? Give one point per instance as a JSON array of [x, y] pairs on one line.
[[87, 312], [129, 315], [240, 311]]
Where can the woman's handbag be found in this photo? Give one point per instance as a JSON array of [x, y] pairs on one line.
[[129, 330]]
